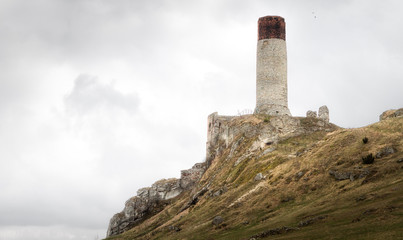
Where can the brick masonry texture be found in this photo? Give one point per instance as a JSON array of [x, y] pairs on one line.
[[271, 27]]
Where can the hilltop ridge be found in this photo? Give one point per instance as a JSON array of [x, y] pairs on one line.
[[283, 177]]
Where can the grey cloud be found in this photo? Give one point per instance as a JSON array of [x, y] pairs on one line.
[[180, 61], [89, 95]]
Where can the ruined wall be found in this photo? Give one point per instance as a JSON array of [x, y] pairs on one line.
[[225, 131], [217, 129]]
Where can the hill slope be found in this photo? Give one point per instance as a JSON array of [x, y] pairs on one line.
[[311, 184]]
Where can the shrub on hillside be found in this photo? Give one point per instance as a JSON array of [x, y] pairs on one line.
[[365, 140], [369, 159]]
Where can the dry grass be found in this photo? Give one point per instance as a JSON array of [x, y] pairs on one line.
[[297, 187]]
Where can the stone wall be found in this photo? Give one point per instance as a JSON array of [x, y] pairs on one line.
[[268, 131], [271, 77], [271, 67], [217, 129]]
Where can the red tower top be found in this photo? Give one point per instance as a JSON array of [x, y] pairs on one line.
[[271, 27]]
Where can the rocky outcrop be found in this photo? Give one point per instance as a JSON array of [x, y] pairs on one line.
[[136, 209], [324, 113], [190, 176], [349, 174], [151, 200], [161, 190], [268, 130], [385, 152], [391, 114]]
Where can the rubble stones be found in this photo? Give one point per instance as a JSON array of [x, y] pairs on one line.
[[349, 174], [258, 177], [275, 231], [299, 175], [191, 176], [194, 199], [217, 220], [385, 152], [174, 228], [310, 220], [311, 114], [217, 193]]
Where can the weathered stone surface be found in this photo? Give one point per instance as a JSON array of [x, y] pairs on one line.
[[324, 113], [217, 193], [385, 152], [150, 200], [174, 228], [271, 27], [269, 150], [349, 174], [258, 177], [310, 220], [391, 114], [194, 199], [135, 210], [217, 220], [299, 175], [275, 231], [310, 113], [231, 129], [271, 77], [191, 176]]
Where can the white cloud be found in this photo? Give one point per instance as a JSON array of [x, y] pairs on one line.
[[73, 149], [90, 95]]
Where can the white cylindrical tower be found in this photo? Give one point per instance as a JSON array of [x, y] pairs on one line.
[[271, 67]]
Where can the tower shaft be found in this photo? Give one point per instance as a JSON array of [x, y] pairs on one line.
[[271, 67]]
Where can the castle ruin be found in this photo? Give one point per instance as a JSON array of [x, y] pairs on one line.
[[271, 67], [271, 95]]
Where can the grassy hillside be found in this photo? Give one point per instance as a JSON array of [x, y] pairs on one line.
[[300, 196]]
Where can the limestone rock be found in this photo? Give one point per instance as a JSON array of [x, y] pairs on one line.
[[258, 177], [299, 175], [391, 114], [311, 114], [385, 152], [324, 113], [349, 174], [151, 200], [217, 220], [194, 199], [190, 176], [311, 220], [135, 209], [217, 193]]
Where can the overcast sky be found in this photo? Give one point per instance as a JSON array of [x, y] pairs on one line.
[[99, 98]]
